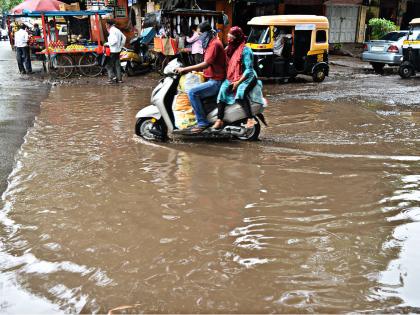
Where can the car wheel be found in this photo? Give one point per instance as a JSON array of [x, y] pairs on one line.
[[405, 71], [378, 67]]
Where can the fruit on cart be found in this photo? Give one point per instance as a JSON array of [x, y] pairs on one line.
[[75, 47], [56, 44]]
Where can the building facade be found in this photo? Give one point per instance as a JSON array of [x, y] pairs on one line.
[[348, 18]]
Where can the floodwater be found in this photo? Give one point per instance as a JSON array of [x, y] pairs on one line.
[[321, 215]]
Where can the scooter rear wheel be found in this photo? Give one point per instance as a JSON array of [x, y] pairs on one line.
[[129, 70], [252, 134]]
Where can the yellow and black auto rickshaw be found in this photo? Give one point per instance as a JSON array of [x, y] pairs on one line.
[[287, 45], [411, 51]]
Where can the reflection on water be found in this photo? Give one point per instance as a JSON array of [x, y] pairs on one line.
[[95, 218]]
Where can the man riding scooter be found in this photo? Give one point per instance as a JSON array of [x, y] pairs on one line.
[[214, 66]]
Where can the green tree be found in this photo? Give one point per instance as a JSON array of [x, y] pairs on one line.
[[380, 27], [6, 5]]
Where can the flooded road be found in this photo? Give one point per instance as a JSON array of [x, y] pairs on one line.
[[321, 215], [19, 103]]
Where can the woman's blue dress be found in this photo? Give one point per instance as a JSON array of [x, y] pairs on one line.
[[228, 96]]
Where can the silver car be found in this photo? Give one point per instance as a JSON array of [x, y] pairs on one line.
[[387, 50]]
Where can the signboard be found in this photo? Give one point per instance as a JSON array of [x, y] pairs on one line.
[[305, 27]]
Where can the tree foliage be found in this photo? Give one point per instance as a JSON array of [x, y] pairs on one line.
[[6, 5], [381, 27]]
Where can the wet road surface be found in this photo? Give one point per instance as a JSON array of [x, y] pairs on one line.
[[19, 103], [321, 215]]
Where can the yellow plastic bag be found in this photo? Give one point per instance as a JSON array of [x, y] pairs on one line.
[[183, 112], [190, 80]]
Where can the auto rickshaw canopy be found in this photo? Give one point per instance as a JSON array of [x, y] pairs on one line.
[[320, 22]]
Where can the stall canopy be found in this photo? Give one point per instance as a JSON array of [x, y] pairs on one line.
[[37, 5], [29, 13]]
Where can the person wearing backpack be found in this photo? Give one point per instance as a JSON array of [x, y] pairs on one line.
[[116, 41]]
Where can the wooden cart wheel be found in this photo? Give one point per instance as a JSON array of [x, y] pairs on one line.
[[61, 66], [89, 65]]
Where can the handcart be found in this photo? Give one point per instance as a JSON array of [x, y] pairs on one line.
[[61, 61]]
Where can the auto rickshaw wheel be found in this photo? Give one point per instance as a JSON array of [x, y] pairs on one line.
[[405, 71], [319, 75]]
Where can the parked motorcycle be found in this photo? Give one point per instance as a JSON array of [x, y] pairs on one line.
[[156, 121], [136, 60]]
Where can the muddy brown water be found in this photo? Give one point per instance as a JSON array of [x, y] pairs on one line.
[[321, 215]]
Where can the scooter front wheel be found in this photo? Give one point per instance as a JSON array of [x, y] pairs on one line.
[[252, 134], [144, 128]]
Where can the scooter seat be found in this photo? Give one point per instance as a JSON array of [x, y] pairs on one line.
[[209, 104]]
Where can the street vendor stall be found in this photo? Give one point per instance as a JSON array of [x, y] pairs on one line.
[[174, 26], [82, 53]]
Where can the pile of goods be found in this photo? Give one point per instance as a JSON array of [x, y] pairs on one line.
[[75, 47], [58, 44], [36, 42], [183, 111]]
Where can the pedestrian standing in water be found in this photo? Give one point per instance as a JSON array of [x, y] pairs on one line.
[[241, 77], [116, 41], [197, 46], [22, 50]]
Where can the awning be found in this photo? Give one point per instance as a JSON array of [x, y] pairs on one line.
[[26, 13]]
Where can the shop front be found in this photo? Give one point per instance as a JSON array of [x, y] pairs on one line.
[[244, 11], [314, 7]]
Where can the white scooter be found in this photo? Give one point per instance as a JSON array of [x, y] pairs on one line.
[[156, 121]]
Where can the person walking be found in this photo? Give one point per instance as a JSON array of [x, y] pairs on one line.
[[22, 50], [116, 41]]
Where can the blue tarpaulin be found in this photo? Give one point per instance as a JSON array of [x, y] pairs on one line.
[[27, 13]]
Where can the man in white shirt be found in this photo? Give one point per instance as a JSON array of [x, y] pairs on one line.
[[4, 34], [116, 41], [22, 50]]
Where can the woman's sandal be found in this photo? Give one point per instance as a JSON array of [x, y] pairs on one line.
[[250, 123], [218, 124]]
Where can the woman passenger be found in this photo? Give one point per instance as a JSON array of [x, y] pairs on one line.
[[241, 77]]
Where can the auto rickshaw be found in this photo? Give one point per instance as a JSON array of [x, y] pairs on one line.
[[411, 51], [287, 45]]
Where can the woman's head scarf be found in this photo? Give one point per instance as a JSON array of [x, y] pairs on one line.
[[234, 43]]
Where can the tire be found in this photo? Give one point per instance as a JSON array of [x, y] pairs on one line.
[[129, 70], [143, 127], [89, 65], [378, 67], [405, 71], [319, 75], [253, 134], [61, 60]]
